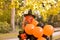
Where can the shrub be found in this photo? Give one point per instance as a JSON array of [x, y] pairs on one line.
[[5, 27]]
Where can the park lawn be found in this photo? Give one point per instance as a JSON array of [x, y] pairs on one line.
[[8, 35]]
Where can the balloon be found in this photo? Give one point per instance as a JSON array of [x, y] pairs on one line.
[[41, 38], [37, 32], [29, 28], [34, 22], [48, 30]]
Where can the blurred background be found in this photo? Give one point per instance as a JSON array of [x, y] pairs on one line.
[[12, 13]]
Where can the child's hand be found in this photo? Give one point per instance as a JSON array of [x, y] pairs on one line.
[[23, 36]]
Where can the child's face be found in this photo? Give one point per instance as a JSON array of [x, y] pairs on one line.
[[29, 19]]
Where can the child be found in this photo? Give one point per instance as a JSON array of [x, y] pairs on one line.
[[28, 18]]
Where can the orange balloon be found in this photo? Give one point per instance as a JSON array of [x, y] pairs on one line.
[[37, 32], [41, 38], [29, 28], [34, 22], [48, 30]]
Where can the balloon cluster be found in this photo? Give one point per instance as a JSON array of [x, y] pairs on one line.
[[33, 29]]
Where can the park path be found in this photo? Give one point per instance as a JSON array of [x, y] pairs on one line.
[[13, 39]]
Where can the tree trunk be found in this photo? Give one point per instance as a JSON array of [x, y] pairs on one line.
[[13, 18], [13, 15]]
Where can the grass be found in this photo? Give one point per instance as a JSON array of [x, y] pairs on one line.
[[8, 35]]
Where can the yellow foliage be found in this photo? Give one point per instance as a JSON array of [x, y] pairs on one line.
[[19, 13], [50, 7]]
